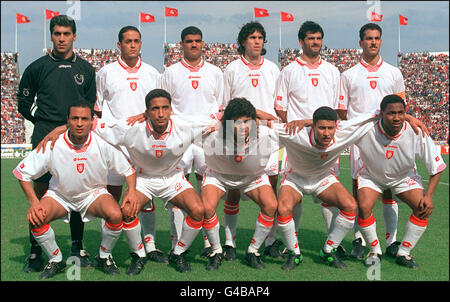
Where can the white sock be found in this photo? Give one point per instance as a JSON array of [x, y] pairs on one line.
[[176, 224], [45, 236], [329, 213], [272, 234], [357, 233], [132, 231], [368, 229], [110, 234], [390, 215], [230, 211], [342, 224], [211, 229], [415, 227], [147, 217], [297, 214], [286, 228], [190, 230], [262, 228]]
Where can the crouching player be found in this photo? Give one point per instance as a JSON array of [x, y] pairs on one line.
[[389, 151], [79, 163]]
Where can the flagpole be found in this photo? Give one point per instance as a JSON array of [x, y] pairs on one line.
[[399, 37], [16, 39], [165, 42], [280, 32], [139, 22], [45, 34]]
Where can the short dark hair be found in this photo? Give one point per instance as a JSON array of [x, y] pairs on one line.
[[125, 29], [367, 26], [246, 31], [63, 20], [156, 93], [391, 99], [324, 113], [311, 26], [81, 103], [190, 30], [236, 108]]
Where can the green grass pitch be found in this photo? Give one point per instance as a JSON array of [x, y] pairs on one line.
[[431, 253]]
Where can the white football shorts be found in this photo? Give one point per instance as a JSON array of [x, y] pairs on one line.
[[410, 182]]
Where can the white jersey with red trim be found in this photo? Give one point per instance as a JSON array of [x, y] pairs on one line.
[[254, 82], [251, 159], [121, 89], [303, 87], [194, 90], [150, 153], [363, 87], [77, 170], [389, 159], [307, 159]]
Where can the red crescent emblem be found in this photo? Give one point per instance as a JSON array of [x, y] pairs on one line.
[[255, 82], [80, 168], [133, 86], [159, 153], [373, 84], [195, 84], [389, 154], [315, 81]]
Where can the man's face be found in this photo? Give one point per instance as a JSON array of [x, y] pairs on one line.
[[393, 118], [192, 47], [312, 44], [80, 122], [242, 127], [63, 38], [324, 131], [254, 44], [159, 113], [371, 43], [131, 44]]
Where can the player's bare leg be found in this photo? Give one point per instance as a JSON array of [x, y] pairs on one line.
[[367, 199], [211, 196], [231, 210], [288, 198], [272, 248], [336, 195]]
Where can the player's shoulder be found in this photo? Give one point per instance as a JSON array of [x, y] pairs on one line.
[[85, 64], [38, 63], [111, 67], [234, 64], [149, 68], [212, 67], [270, 64], [172, 68]]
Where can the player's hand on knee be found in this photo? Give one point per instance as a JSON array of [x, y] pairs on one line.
[[36, 215], [425, 207]]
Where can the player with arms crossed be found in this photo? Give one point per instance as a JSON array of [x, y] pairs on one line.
[[79, 163], [362, 88], [121, 90], [389, 151], [252, 77]]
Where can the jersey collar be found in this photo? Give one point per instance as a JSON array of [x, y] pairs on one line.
[[128, 68], [157, 135], [309, 65], [250, 65], [395, 137], [192, 68], [77, 148], [371, 68], [72, 59]]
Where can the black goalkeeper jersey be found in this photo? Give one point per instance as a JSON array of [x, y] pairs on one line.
[[56, 83]]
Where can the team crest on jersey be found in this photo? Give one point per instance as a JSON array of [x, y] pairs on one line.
[[80, 168], [373, 84], [79, 78], [159, 153], [238, 158], [389, 154], [195, 84], [315, 81], [133, 86], [255, 82]]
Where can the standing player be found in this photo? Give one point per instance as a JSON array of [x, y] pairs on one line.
[[304, 85], [196, 87], [362, 88], [252, 77], [77, 185], [121, 90], [389, 151], [56, 80]]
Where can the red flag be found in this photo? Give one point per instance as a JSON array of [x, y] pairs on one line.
[[286, 17], [403, 20], [261, 12], [22, 19], [376, 17], [171, 12], [50, 14], [147, 18]]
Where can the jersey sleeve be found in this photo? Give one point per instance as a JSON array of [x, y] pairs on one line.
[[349, 132], [27, 92], [281, 88], [427, 152], [219, 89], [227, 86], [117, 161], [34, 165], [342, 102], [336, 88], [90, 93], [111, 130], [100, 81], [399, 84], [165, 82]]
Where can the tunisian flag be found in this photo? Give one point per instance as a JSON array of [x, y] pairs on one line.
[[22, 19], [147, 18], [286, 17], [171, 12], [376, 17], [50, 14], [403, 20], [261, 12]]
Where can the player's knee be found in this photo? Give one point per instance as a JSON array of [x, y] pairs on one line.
[[270, 208], [197, 211], [349, 205], [114, 216], [284, 208]]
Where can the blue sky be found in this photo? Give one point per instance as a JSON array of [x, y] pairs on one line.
[[100, 21]]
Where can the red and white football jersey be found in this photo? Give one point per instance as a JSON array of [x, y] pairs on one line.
[[388, 159], [121, 89], [151, 154], [303, 87], [77, 170], [254, 82], [194, 90], [363, 87], [308, 159]]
